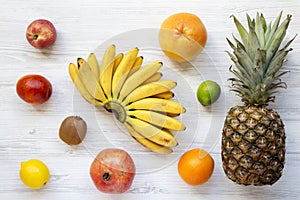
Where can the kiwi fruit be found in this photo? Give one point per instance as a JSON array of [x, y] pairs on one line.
[[72, 130]]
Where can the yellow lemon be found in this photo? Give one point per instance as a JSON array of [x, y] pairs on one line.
[[34, 173]]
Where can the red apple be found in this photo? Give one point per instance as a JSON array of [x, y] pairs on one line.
[[41, 34], [34, 89], [112, 171]]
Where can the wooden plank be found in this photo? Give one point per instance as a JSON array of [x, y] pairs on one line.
[[32, 131]]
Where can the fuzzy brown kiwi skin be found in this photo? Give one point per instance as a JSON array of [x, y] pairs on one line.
[[72, 130]]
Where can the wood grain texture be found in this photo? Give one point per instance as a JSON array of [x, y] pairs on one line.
[[32, 131]]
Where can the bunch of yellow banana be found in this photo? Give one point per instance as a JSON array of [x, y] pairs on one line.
[[134, 93]]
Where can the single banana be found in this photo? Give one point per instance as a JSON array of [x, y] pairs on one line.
[[148, 90], [157, 119], [118, 59], [148, 143], [159, 136], [93, 62], [158, 105], [137, 65], [73, 72], [106, 70], [137, 78], [122, 71], [90, 81], [155, 77], [164, 95]]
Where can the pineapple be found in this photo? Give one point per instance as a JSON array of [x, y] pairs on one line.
[[253, 137]]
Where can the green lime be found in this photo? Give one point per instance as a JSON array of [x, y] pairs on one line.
[[208, 92]]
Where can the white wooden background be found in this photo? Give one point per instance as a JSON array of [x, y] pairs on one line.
[[32, 131]]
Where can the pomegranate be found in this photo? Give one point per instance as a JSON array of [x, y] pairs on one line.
[[112, 171]]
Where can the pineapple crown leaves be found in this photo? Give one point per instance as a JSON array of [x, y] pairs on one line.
[[257, 59]]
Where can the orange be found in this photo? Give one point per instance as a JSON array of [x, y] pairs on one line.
[[182, 36], [195, 166]]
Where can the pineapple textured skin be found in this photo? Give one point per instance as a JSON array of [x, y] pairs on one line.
[[253, 145]]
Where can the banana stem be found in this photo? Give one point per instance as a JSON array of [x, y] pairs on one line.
[[117, 109]]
